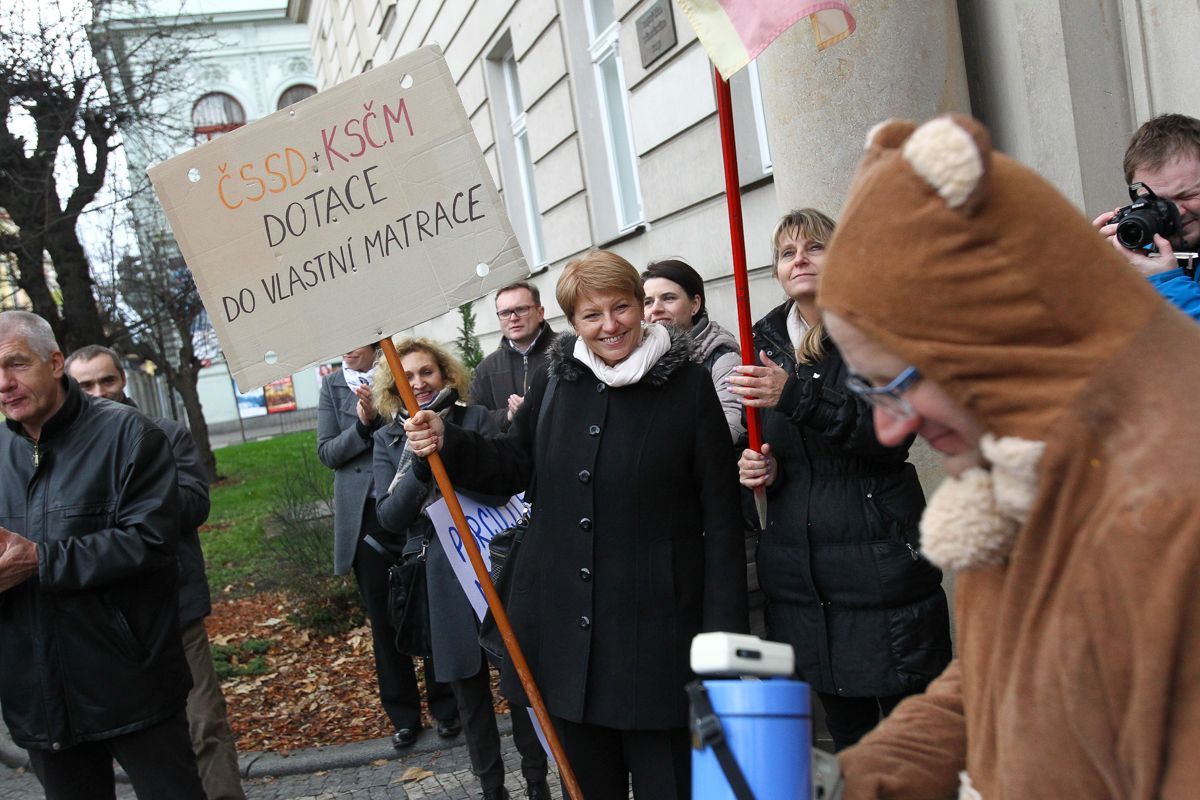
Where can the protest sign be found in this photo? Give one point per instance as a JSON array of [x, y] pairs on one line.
[[485, 522], [340, 220]]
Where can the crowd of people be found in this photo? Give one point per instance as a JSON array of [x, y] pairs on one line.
[[1049, 376]]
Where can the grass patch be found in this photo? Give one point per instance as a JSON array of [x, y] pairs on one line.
[[257, 473]]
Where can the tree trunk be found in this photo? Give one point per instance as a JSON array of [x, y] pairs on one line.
[[81, 315], [187, 382]]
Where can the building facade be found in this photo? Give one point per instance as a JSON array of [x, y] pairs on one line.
[[247, 59], [597, 117]]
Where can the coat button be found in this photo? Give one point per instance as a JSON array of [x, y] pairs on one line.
[[584, 476], [585, 524], [600, 387], [56, 746], [358, 469], [593, 430], [585, 574], [584, 623]]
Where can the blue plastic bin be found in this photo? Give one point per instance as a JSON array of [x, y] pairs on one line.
[[768, 725]]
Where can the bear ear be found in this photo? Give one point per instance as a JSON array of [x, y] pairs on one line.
[[952, 154], [889, 134]]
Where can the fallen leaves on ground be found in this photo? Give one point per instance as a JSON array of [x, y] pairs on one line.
[[316, 691]]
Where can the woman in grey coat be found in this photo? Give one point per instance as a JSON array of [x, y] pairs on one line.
[[346, 419], [403, 495]]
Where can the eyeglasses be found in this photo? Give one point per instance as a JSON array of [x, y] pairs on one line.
[[519, 311], [889, 398]]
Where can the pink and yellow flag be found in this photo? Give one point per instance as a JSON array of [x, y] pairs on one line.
[[734, 32]]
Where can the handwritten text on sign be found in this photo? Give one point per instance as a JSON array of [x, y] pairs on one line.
[[347, 217], [485, 522]]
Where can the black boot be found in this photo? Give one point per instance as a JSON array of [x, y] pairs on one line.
[[538, 790], [499, 793]]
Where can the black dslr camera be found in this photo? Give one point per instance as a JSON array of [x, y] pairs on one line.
[[1147, 215]]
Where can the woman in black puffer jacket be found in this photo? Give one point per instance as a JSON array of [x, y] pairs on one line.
[[845, 583]]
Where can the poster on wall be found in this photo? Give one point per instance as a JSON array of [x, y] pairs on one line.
[[323, 370], [280, 395], [252, 403]]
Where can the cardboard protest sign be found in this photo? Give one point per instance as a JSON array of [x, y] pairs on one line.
[[485, 522], [340, 220]]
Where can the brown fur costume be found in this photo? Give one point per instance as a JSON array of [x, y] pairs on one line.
[[1078, 672]]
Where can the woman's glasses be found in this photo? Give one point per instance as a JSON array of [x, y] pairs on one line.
[[890, 398]]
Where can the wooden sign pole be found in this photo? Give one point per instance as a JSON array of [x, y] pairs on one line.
[[485, 582]]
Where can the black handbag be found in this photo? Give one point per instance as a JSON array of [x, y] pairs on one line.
[[503, 550], [408, 602]]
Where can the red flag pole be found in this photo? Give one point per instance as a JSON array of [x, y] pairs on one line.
[[485, 583], [741, 281]]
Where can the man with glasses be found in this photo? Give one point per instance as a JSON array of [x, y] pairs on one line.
[[502, 378], [1064, 411]]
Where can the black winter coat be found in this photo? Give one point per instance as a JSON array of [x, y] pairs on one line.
[[839, 561], [635, 545], [506, 371], [195, 602], [89, 647]]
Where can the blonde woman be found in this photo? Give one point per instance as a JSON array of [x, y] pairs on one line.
[[436, 377], [838, 562]]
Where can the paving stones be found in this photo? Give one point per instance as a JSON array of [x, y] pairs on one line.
[[443, 774]]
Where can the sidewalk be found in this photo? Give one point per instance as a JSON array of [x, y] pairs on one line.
[[433, 769]]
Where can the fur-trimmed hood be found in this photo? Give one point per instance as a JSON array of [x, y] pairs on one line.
[[563, 365]]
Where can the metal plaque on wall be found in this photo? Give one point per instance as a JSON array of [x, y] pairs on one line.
[[655, 31]]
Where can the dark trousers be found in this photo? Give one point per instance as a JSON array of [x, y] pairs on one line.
[[851, 718], [604, 760], [483, 738], [159, 761], [397, 679]]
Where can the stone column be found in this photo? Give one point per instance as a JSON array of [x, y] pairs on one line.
[[904, 60]]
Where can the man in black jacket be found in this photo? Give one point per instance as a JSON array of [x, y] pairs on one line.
[[502, 379], [99, 373], [91, 663]]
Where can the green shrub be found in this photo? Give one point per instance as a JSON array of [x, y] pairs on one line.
[[300, 539], [241, 660]]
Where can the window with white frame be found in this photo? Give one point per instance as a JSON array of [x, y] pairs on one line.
[[606, 93], [750, 122], [760, 115], [512, 145]]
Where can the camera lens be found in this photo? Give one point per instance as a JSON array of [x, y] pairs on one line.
[[1137, 230]]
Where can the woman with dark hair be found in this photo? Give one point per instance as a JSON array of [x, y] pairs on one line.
[[675, 296], [635, 541], [435, 377], [838, 561]]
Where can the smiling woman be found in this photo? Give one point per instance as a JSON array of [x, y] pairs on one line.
[[404, 491], [635, 543], [838, 561]]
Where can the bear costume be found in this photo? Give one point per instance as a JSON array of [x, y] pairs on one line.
[[1077, 545]]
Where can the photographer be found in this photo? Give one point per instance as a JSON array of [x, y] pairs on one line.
[[1164, 154]]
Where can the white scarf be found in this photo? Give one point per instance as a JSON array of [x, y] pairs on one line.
[[656, 341], [354, 377], [796, 326]]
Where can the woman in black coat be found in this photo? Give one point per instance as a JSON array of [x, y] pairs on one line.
[[635, 544], [845, 583], [404, 493]]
